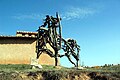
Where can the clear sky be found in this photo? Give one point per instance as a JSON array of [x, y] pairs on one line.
[[95, 24]]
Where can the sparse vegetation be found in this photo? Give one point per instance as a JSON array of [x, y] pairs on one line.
[[14, 67], [20, 72]]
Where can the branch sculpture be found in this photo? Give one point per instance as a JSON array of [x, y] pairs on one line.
[[50, 32]]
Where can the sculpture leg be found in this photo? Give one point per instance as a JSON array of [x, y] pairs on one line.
[[77, 63], [71, 60], [38, 54], [56, 57]]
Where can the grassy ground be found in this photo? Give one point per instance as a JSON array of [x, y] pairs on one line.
[[14, 67], [27, 67]]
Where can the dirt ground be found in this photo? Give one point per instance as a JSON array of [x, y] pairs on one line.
[[58, 75]]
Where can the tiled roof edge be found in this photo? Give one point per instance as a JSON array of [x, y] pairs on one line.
[[17, 36], [26, 32]]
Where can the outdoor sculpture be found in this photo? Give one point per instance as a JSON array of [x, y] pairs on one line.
[[50, 32]]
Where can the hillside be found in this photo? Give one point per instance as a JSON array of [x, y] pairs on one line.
[[24, 72]]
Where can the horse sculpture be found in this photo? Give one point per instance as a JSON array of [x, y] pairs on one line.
[[50, 33]]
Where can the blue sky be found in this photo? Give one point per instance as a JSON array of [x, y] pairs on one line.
[[95, 24]]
